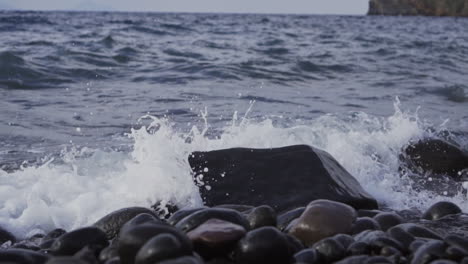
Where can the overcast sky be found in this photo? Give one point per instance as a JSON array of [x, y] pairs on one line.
[[231, 6]]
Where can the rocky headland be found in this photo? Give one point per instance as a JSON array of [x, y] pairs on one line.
[[419, 7]]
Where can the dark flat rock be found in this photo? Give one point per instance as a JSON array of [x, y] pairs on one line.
[[283, 178]]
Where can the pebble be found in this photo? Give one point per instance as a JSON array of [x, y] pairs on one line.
[[161, 247], [112, 222], [387, 220], [284, 219], [72, 242], [265, 243], [321, 219], [215, 237], [364, 223], [132, 238], [195, 219], [441, 209], [260, 216]]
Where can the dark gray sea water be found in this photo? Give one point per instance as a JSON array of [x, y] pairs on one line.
[[73, 86]]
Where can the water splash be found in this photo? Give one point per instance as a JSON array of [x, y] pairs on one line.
[[86, 184]]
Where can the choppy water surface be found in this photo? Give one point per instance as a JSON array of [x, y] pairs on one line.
[[74, 86]]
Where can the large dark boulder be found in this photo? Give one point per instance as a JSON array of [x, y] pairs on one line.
[[435, 156], [284, 178]]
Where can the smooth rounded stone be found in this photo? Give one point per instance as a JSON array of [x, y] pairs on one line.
[[417, 243], [368, 213], [295, 245], [161, 247], [66, 260], [215, 237], [358, 248], [387, 220], [260, 216], [283, 178], [22, 256], [455, 253], [441, 209], [89, 254], [419, 231], [429, 251], [112, 222], [195, 219], [321, 219], [329, 249], [140, 219], [368, 236], [457, 241], [54, 234], [181, 214], [284, 219], [364, 223], [71, 242], [309, 256], [443, 261], [238, 207], [6, 236], [345, 240], [108, 253], [464, 261], [183, 260], [435, 156], [265, 243], [401, 236], [132, 238]]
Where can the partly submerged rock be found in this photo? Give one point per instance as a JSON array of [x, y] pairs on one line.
[[435, 156], [283, 178]]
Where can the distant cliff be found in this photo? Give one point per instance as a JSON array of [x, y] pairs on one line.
[[419, 7]]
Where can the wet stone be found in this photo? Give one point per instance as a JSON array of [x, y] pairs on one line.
[[429, 251], [72, 242], [364, 259], [132, 238], [260, 216], [197, 218], [265, 243], [457, 241], [455, 253], [161, 247], [321, 219], [54, 234], [140, 219], [358, 248], [441, 209], [238, 207], [5, 236], [329, 249], [387, 220], [215, 237], [108, 253], [401, 236], [284, 219], [294, 244], [112, 222], [364, 223], [443, 261], [345, 240], [369, 235], [308, 255], [181, 214], [22, 256]]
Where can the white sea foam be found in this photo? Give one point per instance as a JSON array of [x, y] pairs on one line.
[[87, 184]]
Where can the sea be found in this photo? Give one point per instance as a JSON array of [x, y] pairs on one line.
[[100, 110]]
